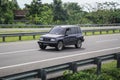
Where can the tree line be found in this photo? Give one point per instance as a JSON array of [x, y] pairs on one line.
[[61, 13]]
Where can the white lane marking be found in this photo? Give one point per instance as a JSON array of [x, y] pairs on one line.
[[110, 40], [13, 52], [51, 59]]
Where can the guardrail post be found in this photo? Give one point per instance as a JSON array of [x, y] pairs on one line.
[[113, 30], [100, 32], [107, 31], [118, 60], [3, 38], [93, 32], [85, 33], [73, 67], [20, 38], [42, 74], [33, 36], [98, 63]]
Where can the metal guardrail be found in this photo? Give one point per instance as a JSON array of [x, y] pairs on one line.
[[73, 66], [101, 30], [3, 36]]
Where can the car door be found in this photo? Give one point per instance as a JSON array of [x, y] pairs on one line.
[[73, 35], [69, 37]]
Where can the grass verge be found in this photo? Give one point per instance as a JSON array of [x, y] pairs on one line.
[[109, 72], [23, 38]]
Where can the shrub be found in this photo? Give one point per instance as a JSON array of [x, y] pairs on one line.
[[107, 74]]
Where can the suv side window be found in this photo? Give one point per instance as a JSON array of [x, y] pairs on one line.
[[73, 30], [76, 30]]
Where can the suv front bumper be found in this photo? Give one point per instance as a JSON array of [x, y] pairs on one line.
[[50, 43]]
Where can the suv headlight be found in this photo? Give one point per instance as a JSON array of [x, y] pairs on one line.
[[52, 39], [41, 39]]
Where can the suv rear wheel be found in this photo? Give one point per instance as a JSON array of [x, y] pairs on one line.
[[59, 46], [78, 44]]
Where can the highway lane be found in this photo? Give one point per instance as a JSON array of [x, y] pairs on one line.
[[15, 53], [22, 53], [29, 45]]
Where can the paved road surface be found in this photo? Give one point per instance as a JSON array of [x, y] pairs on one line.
[[26, 55]]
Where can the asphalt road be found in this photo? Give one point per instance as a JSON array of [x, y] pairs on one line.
[[23, 56]]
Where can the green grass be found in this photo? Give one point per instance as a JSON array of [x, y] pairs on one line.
[[23, 38], [105, 67], [109, 72]]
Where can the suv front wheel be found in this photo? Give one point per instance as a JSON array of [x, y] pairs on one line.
[[78, 44], [43, 47], [59, 46]]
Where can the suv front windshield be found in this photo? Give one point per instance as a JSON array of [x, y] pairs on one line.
[[57, 30]]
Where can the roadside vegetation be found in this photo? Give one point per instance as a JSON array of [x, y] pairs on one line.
[[58, 12], [109, 72]]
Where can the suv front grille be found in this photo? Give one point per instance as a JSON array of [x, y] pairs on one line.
[[46, 39]]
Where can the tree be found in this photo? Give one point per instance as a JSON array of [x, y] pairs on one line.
[[40, 13], [15, 5], [35, 9], [105, 13], [6, 11], [46, 14], [75, 13], [59, 13]]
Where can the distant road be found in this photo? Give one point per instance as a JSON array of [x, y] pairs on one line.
[[25, 55]]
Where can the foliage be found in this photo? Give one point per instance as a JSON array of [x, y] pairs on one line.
[[108, 73], [61, 13], [46, 14], [74, 12], [6, 11], [35, 9], [39, 13], [105, 13]]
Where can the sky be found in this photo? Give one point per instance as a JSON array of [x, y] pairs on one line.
[[80, 2]]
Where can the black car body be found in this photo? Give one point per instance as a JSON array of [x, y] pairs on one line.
[[60, 36]]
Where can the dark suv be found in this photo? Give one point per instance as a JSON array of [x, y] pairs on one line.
[[60, 36]]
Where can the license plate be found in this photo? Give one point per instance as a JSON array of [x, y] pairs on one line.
[[45, 44]]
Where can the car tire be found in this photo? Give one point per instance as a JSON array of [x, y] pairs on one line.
[[43, 47], [78, 44], [59, 46]]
